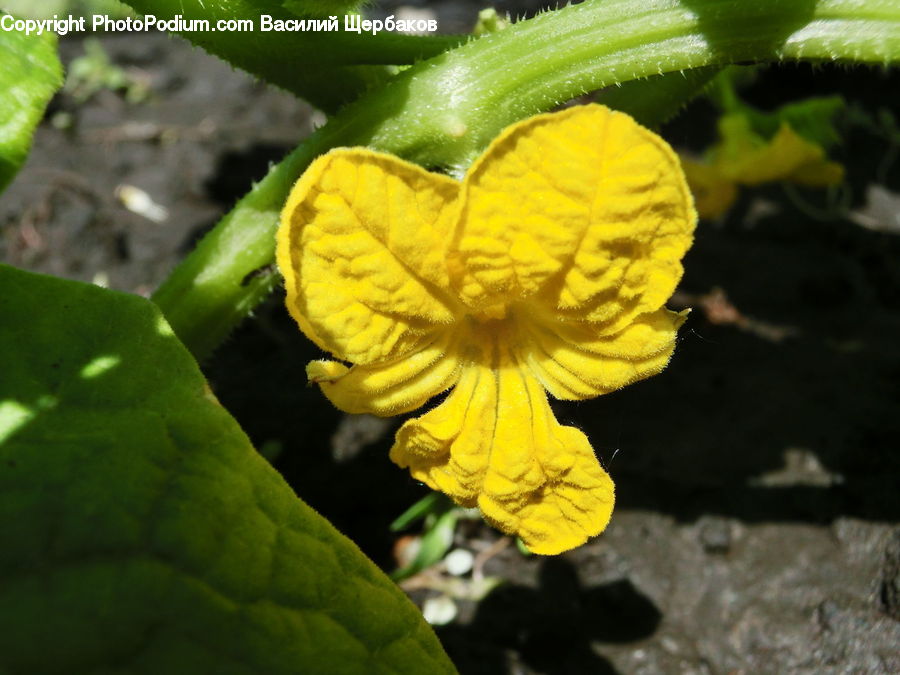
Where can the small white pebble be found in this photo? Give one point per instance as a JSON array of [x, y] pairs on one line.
[[439, 611], [317, 119], [669, 644], [459, 562], [137, 201]]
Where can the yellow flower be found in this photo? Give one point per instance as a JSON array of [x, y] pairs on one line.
[[544, 270], [743, 157]]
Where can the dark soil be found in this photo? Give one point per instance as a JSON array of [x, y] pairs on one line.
[[757, 477]]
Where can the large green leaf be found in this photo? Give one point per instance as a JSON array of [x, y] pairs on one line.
[[30, 73], [139, 530]]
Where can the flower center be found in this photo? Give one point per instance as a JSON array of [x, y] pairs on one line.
[[491, 313], [489, 334]]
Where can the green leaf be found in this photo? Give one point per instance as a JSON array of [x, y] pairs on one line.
[[139, 530], [434, 543], [440, 515], [30, 73], [811, 118], [433, 502], [328, 68]]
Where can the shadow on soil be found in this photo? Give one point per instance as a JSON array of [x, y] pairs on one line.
[[551, 627]]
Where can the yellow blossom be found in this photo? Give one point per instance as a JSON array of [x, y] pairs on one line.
[[745, 158], [544, 270]]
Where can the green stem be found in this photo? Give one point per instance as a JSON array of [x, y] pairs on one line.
[[656, 99], [444, 111], [457, 102], [230, 271]]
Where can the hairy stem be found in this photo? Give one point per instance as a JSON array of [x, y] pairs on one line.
[[443, 112], [656, 99]]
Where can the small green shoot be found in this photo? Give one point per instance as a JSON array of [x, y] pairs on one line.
[[94, 72]]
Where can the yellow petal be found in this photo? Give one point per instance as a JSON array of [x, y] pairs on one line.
[[576, 361], [818, 174], [583, 210], [747, 159], [390, 388], [713, 193], [495, 443], [362, 247], [424, 444], [325, 371]]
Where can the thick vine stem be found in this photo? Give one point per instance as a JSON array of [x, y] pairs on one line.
[[658, 98], [444, 111]]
